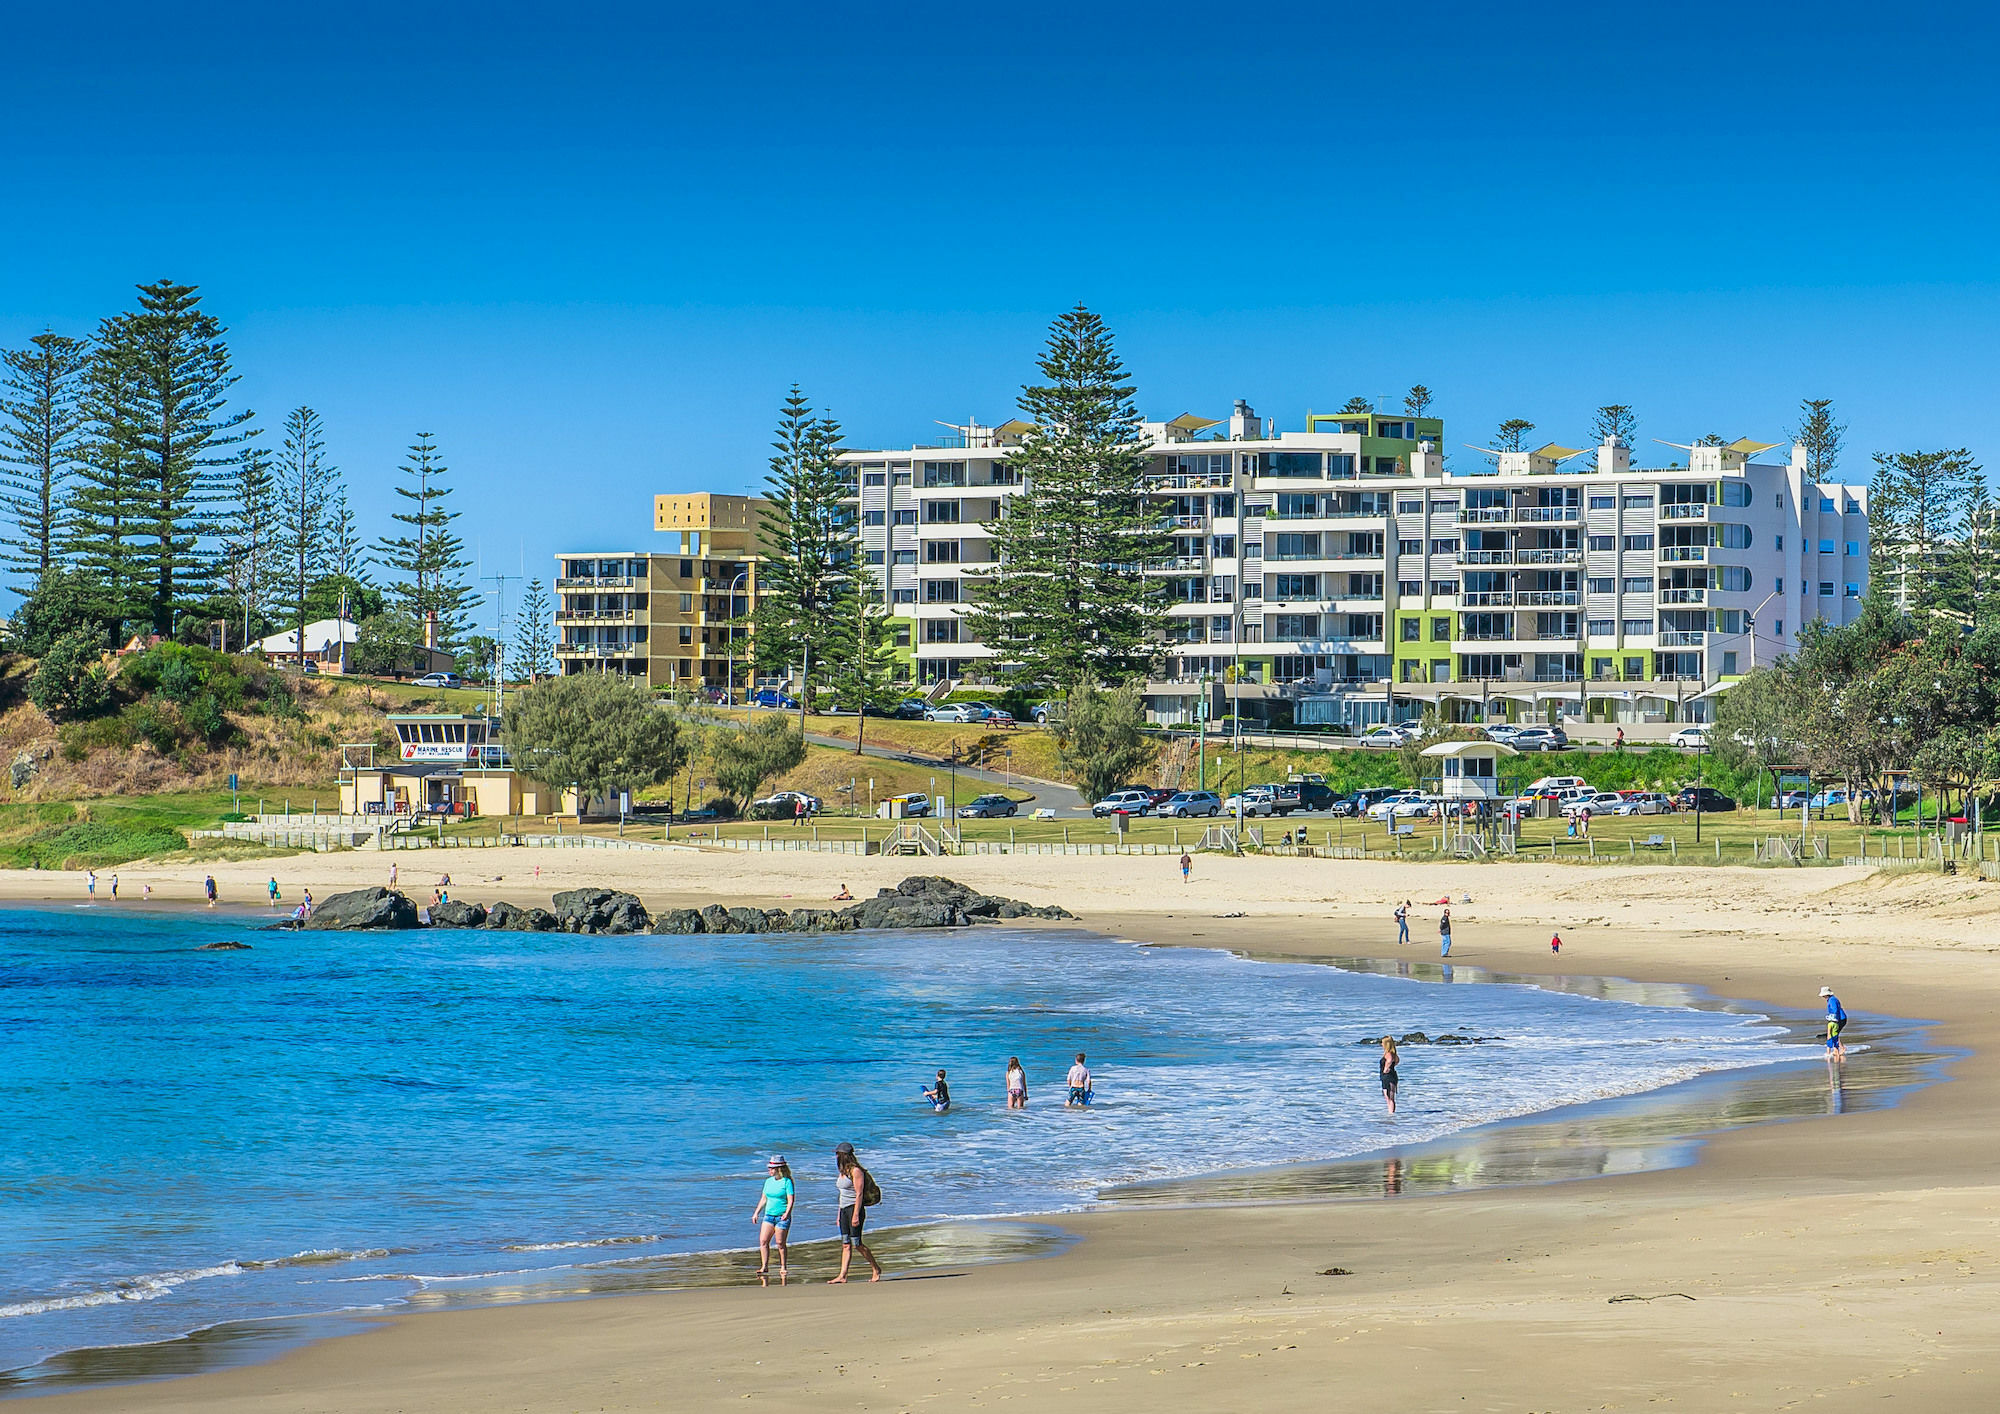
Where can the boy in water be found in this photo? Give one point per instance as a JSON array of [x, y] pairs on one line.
[[1836, 1022], [939, 1095], [1079, 1084]]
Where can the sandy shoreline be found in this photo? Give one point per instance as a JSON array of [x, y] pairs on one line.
[[1848, 1260]]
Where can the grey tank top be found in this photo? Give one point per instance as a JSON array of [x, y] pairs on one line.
[[844, 1185]]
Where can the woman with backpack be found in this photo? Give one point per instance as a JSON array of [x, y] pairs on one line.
[[857, 1193]]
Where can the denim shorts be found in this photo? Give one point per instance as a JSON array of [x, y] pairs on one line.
[[782, 1222]]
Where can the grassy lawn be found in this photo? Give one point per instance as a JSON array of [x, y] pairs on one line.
[[112, 830]]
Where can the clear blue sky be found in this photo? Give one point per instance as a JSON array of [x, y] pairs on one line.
[[589, 247]]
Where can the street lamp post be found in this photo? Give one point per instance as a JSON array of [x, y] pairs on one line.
[[1700, 750], [729, 688]]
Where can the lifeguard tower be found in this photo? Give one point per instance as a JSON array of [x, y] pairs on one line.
[[1473, 793]]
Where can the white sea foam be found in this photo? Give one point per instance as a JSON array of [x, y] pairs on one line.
[[149, 1287]]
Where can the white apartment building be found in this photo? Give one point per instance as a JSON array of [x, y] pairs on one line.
[[1341, 574]]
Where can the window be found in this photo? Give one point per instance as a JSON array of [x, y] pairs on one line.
[[1401, 431], [1638, 628], [1853, 591], [1409, 547], [1444, 586], [1295, 586], [1289, 464], [1294, 505], [1851, 548], [687, 633], [1603, 584], [1826, 589], [901, 478], [1734, 579], [1603, 542], [900, 635], [1737, 493], [874, 478], [872, 518], [1296, 545], [1409, 508], [1410, 588], [941, 512], [1603, 503], [1638, 584], [1222, 505], [1729, 662], [940, 552], [1639, 503], [687, 603], [903, 596], [1440, 506], [687, 569], [908, 517], [1440, 629], [1412, 630], [1294, 627], [875, 556], [1826, 547], [1222, 547], [941, 630], [944, 473], [1601, 628], [940, 591], [1826, 503], [1635, 669], [903, 557], [1779, 540], [1638, 542], [1440, 670], [1779, 628], [1444, 547], [1340, 464]]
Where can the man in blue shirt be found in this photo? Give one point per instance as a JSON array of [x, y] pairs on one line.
[[1836, 1022]]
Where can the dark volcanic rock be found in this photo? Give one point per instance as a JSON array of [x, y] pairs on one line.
[[600, 911], [896, 911], [520, 920], [819, 920], [715, 919], [949, 893], [364, 908], [678, 920], [453, 914], [749, 920], [223, 947]]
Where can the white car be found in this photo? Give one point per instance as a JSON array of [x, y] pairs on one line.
[[960, 712], [1387, 737], [1257, 800], [1123, 802], [1402, 806], [1597, 802], [436, 680], [1555, 785], [1501, 731], [1646, 803], [1690, 737]]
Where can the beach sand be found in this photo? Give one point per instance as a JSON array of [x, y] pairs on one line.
[[1844, 1262]]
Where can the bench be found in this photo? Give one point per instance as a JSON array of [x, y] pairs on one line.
[[1405, 830], [1043, 814], [1654, 842]]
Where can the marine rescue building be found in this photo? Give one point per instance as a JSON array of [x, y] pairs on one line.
[[445, 764]]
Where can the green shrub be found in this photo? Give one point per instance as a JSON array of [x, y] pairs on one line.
[[69, 681], [95, 844], [157, 728]]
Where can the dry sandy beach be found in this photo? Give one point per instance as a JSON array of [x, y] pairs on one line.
[[1844, 1262]]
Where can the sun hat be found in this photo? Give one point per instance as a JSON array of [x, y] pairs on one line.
[[776, 1161], [1826, 991], [843, 1148]]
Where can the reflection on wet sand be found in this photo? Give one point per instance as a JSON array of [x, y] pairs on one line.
[[910, 1253], [1632, 1134]]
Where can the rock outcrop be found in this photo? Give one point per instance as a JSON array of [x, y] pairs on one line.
[[600, 911], [364, 908], [223, 947], [453, 914], [507, 917], [922, 901]]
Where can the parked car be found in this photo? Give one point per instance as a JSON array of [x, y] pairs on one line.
[[1042, 711], [1316, 795], [1793, 799], [911, 709], [914, 803], [1597, 802], [1554, 785], [1689, 737], [960, 712], [1833, 797], [989, 807], [998, 717], [784, 805], [1359, 802], [1183, 804], [1160, 795], [1705, 798], [437, 680], [1123, 802], [1539, 739], [1406, 807], [1386, 737], [771, 697], [1252, 800], [1501, 731], [1285, 797], [1643, 802]]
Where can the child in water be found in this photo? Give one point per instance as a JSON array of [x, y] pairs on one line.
[[940, 1095]]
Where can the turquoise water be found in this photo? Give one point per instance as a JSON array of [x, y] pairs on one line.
[[337, 1121]]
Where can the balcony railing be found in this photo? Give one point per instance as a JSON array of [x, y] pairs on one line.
[[625, 581], [1549, 557], [1548, 598], [1486, 557], [1189, 481], [1684, 510], [1350, 597], [1682, 638], [1484, 515], [1683, 554], [1187, 522], [571, 616], [1683, 596], [599, 650], [1486, 599], [1547, 513]]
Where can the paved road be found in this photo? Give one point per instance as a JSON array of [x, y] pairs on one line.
[[1062, 799]]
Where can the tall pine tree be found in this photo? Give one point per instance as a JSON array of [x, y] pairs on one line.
[[430, 558], [304, 486], [105, 504], [809, 543], [1068, 598], [535, 635], [247, 549], [42, 419], [180, 433], [861, 660]]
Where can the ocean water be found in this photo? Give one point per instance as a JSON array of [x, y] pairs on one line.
[[331, 1121]]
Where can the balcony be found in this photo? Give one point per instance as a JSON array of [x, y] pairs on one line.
[[1680, 638], [1548, 513], [1549, 557], [1185, 523], [603, 582], [1486, 557], [1684, 554], [579, 616], [1350, 597], [1486, 599], [1189, 481], [600, 650], [1547, 598], [1173, 563], [1485, 515], [1683, 596], [1684, 510]]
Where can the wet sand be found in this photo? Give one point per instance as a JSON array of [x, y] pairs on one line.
[[1846, 1259]]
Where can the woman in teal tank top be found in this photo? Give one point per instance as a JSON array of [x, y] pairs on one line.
[[773, 1214]]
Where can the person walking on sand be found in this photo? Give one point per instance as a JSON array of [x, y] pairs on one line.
[[90, 882], [1079, 1084], [1388, 1070], [114, 888], [309, 903], [773, 1214], [392, 873], [1444, 934], [1403, 921], [1836, 1022], [1017, 1084], [274, 893], [146, 892], [208, 887], [1187, 866], [854, 1188]]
